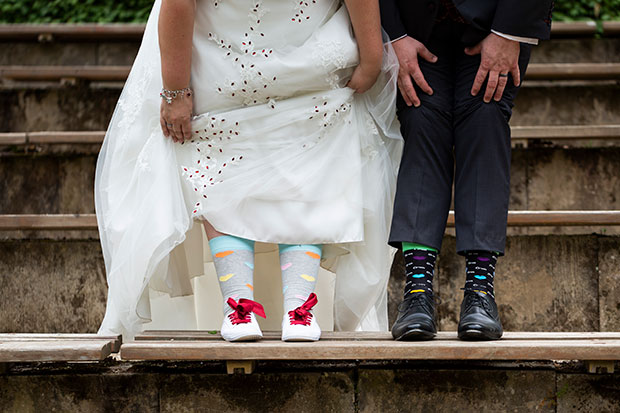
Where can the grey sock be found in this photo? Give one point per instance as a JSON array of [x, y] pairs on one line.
[[300, 268], [234, 264]]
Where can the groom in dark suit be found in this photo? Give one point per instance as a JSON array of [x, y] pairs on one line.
[[461, 64]]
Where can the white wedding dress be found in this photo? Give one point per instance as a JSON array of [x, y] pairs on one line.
[[282, 152]]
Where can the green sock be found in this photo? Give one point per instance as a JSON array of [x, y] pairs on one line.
[[413, 246]]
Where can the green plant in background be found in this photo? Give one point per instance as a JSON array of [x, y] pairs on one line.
[[127, 11], [74, 11]]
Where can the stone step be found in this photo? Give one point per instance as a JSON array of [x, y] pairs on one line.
[[544, 283], [309, 387], [535, 71], [38, 177], [41, 106], [117, 44]]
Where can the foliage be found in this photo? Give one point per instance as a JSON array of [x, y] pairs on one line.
[[106, 11]]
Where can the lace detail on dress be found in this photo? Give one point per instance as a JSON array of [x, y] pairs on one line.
[[327, 115], [209, 169], [142, 160], [331, 56], [136, 95]]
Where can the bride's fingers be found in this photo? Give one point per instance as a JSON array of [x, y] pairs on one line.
[[164, 128], [186, 128], [178, 133]]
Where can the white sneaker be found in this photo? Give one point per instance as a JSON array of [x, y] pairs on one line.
[[241, 324], [300, 324]]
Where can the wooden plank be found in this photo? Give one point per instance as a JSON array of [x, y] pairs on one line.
[[48, 222], [25, 337], [134, 31], [611, 28], [535, 71], [39, 73], [163, 335], [13, 138], [568, 29], [566, 132], [57, 350], [81, 137], [573, 71], [554, 132], [75, 32], [375, 350], [515, 218]]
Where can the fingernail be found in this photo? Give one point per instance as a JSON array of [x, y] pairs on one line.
[[434, 58]]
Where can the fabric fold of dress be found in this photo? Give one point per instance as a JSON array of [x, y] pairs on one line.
[[281, 152]]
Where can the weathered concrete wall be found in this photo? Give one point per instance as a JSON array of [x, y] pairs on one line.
[[69, 54], [545, 283], [306, 387], [81, 107], [541, 179]]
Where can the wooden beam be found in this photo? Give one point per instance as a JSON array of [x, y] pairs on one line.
[[55, 350], [201, 335], [504, 349], [515, 218], [81, 137], [27, 337], [560, 132], [48, 222], [13, 138], [134, 31], [535, 71], [573, 71]]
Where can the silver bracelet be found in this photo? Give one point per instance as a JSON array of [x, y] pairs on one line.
[[170, 95]]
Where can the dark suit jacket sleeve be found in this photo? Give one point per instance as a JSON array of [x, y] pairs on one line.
[[526, 18], [391, 20]]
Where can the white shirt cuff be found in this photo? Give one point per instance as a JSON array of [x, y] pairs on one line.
[[528, 40], [398, 38]]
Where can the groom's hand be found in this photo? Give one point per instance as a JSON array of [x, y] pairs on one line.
[[407, 50], [499, 56]]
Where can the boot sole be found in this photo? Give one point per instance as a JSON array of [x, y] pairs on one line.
[[477, 335], [251, 337], [416, 335]]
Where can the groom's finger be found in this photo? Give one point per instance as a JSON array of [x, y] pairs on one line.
[[419, 79], [479, 80], [491, 86], [407, 90]]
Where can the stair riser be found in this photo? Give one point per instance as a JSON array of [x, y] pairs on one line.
[[541, 179], [303, 387], [59, 286], [85, 108], [124, 52]]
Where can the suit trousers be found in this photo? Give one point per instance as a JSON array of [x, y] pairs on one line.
[[454, 137]]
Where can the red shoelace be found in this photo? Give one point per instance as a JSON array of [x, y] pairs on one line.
[[302, 315], [243, 309]]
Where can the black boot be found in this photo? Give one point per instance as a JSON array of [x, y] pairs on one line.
[[416, 318], [479, 317]]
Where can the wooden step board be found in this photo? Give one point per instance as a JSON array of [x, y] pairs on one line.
[[545, 132], [535, 71], [375, 346], [56, 347], [134, 31], [515, 219]]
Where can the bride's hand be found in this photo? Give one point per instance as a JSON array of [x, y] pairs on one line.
[[176, 117], [364, 76]]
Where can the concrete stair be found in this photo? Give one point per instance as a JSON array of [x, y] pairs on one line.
[[560, 275]]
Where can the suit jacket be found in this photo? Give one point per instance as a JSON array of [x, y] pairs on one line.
[[416, 18]]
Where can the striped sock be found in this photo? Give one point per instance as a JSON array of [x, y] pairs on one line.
[[480, 267], [419, 268]]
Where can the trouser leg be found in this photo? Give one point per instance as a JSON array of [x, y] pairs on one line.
[[482, 152], [424, 186]]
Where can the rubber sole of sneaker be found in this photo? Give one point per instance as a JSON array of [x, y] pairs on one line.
[[416, 335], [252, 337], [300, 339], [477, 335]]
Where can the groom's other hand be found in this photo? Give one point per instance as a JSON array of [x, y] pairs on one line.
[[407, 50], [499, 56]]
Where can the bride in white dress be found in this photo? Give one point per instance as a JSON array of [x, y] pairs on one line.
[[280, 151]]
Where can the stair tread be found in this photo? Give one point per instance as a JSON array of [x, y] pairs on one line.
[[535, 71], [56, 348], [515, 218], [332, 346], [134, 31]]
